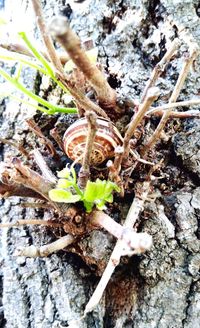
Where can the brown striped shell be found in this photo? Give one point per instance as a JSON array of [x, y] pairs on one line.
[[107, 138]]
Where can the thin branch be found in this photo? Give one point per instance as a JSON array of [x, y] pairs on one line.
[[9, 190], [46, 36], [35, 205], [16, 145], [80, 98], [133, 242], [133, 214], [56, 136], [87, 156], [46, 172], [25, 176], [113, 174], [35, 128], [20, 223], [179, 84], [152, 95], [159, 68], [60, 29], [21, 49], [160, 109], [43, 251]]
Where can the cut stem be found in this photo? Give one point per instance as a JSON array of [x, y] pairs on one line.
[[60, 29], [133, 214], [43, 251]]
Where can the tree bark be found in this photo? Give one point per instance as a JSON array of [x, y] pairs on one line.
[[160, 288]]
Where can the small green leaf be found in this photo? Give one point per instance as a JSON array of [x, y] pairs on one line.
[[94, 190], [109, 198], [63, 196], [110, 187], [65, 173], [88, 206], [64, 184]]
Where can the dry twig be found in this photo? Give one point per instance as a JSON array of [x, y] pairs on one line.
[[43, 251], [45, 35], [16, 145], [20, 223], [159, 68], [35, 128], [179, 84], [81, 100], [21, 49], [152, 95], [69, 40], [46, 172], [160, 110], [119, 250], [84, 173]]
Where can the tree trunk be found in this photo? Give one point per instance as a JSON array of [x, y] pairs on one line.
[[160, 288]]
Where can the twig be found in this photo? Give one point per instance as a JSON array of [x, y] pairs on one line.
[[60, 29], [16, 145], [179, 84], [80, 98], [46, 36], [56, 136], [160, 109], [133, 242], [9, 190], [159, 68], [152, 95], [21, 49], [20, 223], [113, 174], [85, 169], [23, 175], [35, 205], [46, 172], [35, 128], [117, 161], [43, 251], [133, 214]]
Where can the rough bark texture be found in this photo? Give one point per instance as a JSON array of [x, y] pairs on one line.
[[161, 288]]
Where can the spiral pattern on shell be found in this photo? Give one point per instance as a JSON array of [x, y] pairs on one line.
[[107, 138]]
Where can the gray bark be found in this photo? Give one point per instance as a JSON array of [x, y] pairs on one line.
[[160, 288]]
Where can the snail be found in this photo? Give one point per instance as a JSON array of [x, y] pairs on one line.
[[107, 138]]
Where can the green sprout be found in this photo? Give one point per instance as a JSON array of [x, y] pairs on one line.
[[95, 193], [42, 65]]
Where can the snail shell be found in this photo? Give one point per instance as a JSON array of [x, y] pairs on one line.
[[107, 138]]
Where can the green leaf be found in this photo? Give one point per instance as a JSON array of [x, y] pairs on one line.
[[65, 173], [110, 187], [64, 184], [94, 190], [63, 196], [109, 198], [88, 206]]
